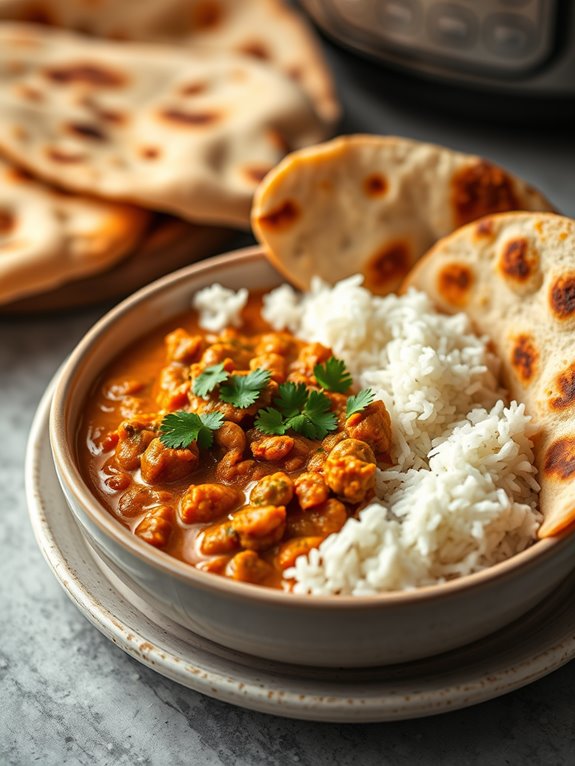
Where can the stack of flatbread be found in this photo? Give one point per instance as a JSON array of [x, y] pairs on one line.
[[178, 108]]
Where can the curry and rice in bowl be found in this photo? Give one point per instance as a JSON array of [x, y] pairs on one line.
[[334, 442], [395, 515]]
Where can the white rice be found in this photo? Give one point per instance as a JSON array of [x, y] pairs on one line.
[[219, 307], [462, 494]]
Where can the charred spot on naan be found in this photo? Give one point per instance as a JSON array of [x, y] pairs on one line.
[[255, 49], [7, 221], [38, 13], [562, 297], [524, 357], [562, 393], [187, 118], [481, 189], [559, 460], [192, 88], [64, 157], [375, 185], [29, 93], [86, 130], [104, 113], [86, 73], [281, 218], [454, 283], [387, 267], [484, 229], [207, 14], [256, 173], [150, 152], [519, 265]]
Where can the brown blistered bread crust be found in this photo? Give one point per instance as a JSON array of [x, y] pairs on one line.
[[375, 204], [48, 237], [521, 293], [189, 132], [266, 30]]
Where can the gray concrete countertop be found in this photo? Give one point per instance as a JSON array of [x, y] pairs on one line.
[[69, 696]]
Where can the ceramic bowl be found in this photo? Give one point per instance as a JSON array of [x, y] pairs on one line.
[[327, 631]]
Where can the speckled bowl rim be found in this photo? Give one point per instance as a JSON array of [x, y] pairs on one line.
[[64, 458]]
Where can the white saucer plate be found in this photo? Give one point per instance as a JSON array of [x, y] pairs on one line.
[[528, 649]]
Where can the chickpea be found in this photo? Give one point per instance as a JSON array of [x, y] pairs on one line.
[[311, 490], [203, 503], [259, 527], [274, 489], [156, 526], [321, 521], [272, 448], [247, 566], [350, 478], [133, 439], [299, 546], [221, 538], [162, 464], [372, 425]]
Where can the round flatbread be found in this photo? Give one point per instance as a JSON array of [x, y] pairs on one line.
[[375, 204], [48, 238], [514, 274], [190, 133], [267, 30]]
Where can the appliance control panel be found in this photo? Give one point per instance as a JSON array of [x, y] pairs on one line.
[[508, 36]]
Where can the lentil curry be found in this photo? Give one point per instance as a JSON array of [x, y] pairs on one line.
[[261, 483]]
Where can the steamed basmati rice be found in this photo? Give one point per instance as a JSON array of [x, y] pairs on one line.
[[219, 307], [462, 494]]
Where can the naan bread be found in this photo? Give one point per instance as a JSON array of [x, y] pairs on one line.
[[514, 274], [374, 205], [263, 29], [48, 238], [182, 132]]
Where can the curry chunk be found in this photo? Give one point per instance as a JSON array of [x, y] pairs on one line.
[[138, 499], [272, 448], [311, 490], [133, 439], [310, 354], [218, 539], [354, 448], [247, 566], [203, 503], [373, 426], [274, 489], [350, 478], [183, 347], [230, 436], [161, 464], [275, 363], [259, 526], [321, 521], [156, 526], [216, 565], [299, 546], [275, 343]]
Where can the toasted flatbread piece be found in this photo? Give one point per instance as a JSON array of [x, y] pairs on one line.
[[267, 30], [48, 238], [190, 133], [514, 274], [374, 205]]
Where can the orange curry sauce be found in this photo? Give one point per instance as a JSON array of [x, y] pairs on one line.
[[249, 505]]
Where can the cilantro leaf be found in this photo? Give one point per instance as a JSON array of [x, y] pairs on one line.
[[270, 421], [291, 398], [243, 390], [316, 419], [359, 402], [180, 429], [208, 379], [333, 375]]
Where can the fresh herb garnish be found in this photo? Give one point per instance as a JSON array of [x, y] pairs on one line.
[[306, 413], [291, 398], [333, 375], [180, 429], [243, 390], [270, 421], [359, 401], [208, 379]]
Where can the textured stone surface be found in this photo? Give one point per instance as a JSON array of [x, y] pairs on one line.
[[69, 696]]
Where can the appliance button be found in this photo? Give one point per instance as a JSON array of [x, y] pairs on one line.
[[399, 16], [452, 25], [509, 35]]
